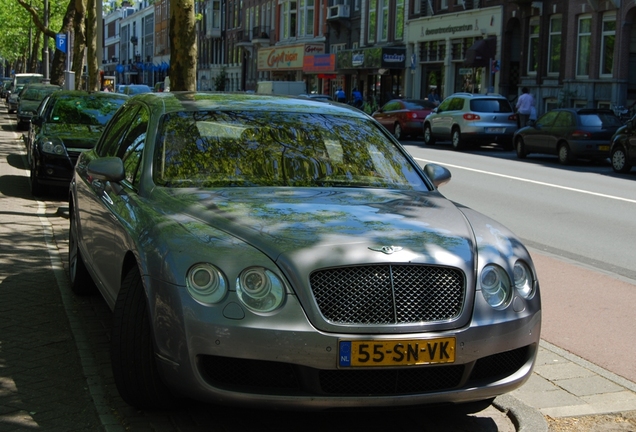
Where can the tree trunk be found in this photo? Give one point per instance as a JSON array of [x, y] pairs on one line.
[[94, 83], [183, 46], [79, 42], [59, 58]]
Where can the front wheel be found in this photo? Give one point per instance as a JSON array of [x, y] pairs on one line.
[[132, 348], [397, 131], [619, 160], [456, 139], [36, 188], [80, 280], [520, 148], [428, 135]]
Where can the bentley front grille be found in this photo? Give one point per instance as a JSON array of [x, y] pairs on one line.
[[389, 294]]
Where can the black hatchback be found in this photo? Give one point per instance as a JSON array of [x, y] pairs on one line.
[[570, 134], [66, 123], [623, 147]]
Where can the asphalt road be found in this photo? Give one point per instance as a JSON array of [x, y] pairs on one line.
[[87, 322], [579, 222]]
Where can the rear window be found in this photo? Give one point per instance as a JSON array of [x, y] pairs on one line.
[[419, 104], [490, 106], [600, 120]]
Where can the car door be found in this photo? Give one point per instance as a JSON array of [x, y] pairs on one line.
[[534, 136], [442, 121], [97, 210], [389, 114]]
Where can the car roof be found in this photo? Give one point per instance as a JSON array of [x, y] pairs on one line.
[[200, 101], [478, 95], [69, 93]]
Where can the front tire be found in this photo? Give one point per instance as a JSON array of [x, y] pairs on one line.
[[619, 160], [80, 280], [36, 188], [428, 135], [397, 131], [132, 350], [520, 148], [456, 139]]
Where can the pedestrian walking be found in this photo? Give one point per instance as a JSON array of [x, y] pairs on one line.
[[434, 97], [524, 107], [341, 96], [357, 97]]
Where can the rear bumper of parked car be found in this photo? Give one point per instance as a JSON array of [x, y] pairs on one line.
[[232, 356], [590, 149]]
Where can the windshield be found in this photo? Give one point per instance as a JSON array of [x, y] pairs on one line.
[[86, 110], [220, 149]]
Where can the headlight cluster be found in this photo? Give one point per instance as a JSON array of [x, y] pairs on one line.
[[53, 146], [496, 285], [258, 288]]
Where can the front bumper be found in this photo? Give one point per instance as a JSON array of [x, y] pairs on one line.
[[228, 355]]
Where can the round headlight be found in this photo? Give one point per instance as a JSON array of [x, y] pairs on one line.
[[53, 146], [495, 286], [260, 289], [206, 284], [523, 279]]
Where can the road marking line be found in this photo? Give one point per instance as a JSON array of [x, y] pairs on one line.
[[530, 181]]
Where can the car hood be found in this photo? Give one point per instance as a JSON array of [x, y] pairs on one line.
[[74, 135], [302, 228]]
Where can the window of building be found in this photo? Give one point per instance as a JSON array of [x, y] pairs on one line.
[[337, 47], [554, 49], [583, 46], [533, 47], [607, 44], [306, 17], [288, 11], [399, 20], [383, 20], [443, 4], [373, 19]]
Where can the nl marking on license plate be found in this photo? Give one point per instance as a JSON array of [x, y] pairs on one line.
[[396, 352]]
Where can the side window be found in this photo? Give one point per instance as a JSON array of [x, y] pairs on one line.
[[132, 146], [456, 104], [548, 118], [117, 127], [445, 105]]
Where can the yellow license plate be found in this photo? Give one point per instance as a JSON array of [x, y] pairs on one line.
[[369, 353], [603, 148]]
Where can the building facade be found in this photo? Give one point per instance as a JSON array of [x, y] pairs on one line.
[[576, 53]]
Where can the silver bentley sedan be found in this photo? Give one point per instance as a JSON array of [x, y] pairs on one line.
[[280, 252]]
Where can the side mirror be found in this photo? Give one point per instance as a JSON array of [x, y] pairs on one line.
[[37, 120], [437, 174], [108, 168]]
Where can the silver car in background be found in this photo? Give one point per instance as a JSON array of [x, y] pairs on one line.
[[280, 252], [467, 119]]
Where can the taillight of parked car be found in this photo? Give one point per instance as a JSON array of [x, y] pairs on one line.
[[577, 134], [471, 117]]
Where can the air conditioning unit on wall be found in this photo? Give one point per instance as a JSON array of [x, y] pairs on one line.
[[339, 11]]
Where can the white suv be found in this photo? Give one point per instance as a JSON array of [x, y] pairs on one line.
[[466, 119]]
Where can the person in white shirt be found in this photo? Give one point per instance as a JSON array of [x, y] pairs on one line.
[[525, 103]]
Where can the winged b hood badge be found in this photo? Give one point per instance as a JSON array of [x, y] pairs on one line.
[[386, 249]]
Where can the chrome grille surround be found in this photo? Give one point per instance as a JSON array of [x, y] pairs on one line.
[[389, 294]]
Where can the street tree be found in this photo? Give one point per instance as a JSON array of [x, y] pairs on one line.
[[183, 45]]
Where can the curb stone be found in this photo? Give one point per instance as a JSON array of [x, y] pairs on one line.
[[524, 417]]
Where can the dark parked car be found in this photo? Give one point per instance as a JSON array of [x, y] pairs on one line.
[[68, 122], [316, 96], [623, 147], [133, 89], [30, 99], [570, 134], [14, 98], [404, 117], [284, 252]]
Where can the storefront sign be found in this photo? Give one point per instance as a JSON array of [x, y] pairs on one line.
[[287, 57], [372, 58], [319, 63]]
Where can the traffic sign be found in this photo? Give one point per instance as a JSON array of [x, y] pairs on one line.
[[60, 42]]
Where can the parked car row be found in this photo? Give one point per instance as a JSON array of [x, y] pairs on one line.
[[466, 119], [356, 284]]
